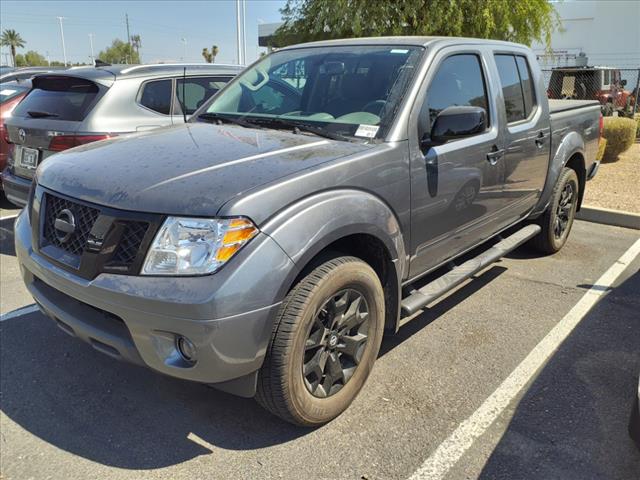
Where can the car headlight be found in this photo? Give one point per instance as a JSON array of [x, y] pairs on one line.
[[196, 246]]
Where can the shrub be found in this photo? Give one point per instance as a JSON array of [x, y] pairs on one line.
[[637, 117], [620, 134], [601, 147]]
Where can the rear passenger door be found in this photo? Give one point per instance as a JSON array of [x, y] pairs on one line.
[[193, 92], [526, 131]]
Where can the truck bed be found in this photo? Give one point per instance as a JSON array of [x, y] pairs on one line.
[[556, 106]]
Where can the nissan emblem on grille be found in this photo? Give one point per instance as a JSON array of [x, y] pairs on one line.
[[65, 225], [22, 135]]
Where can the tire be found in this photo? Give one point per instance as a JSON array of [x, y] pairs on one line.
[[559, 215], [300, 381]]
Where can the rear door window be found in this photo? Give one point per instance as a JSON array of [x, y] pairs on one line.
[[59, 98], [156, 96], [517, 86], [194, 92]]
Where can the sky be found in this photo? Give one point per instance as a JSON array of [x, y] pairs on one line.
[[160, 24]]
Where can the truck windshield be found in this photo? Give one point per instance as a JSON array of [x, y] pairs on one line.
[[349, 91]]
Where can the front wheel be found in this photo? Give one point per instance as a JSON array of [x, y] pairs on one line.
[[325, 340], [557, 220]]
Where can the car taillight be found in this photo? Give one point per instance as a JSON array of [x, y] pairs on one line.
[[64, 142]]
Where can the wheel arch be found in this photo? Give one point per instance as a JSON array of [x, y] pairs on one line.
[[345, 222]]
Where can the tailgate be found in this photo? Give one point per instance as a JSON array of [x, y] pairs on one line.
[[56, 105]]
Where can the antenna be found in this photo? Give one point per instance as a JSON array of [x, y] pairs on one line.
[[184, 98]]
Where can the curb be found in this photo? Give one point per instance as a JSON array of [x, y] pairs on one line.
[[618, 218]]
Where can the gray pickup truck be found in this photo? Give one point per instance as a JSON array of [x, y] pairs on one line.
[[324, 197]]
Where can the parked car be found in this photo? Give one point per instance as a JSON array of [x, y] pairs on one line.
[[265, 246], [26, 73], [604, 84], [86, 104], [10, 95]]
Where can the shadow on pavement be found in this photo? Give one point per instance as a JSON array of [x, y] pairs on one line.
[[84, 402], [573, 421]]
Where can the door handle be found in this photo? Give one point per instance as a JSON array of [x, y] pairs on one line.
[[495, 155], [540, 140]]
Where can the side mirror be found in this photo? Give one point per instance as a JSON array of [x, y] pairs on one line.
[[456, 122]]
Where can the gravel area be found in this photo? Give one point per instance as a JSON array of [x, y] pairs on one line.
[[617, 184]]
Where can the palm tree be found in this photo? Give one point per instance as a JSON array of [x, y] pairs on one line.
[[13, 40], [136, 43], [210, 57]]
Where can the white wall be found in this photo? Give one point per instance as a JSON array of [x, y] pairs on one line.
[[607, 31]]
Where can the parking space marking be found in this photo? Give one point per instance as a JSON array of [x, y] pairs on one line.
[[19, 312], [449, 452]]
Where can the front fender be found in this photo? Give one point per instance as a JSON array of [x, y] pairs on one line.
[[570, 144], [305, 228]]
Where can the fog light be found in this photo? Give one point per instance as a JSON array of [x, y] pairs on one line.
[[186, 348]]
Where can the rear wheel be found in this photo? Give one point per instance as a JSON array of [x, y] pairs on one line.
[[325, 340], [557, 220]]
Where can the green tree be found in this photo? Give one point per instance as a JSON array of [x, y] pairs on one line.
[[13, 40], [210, 56], [519, 21], [19, 61], [119, 52], [34, 59]]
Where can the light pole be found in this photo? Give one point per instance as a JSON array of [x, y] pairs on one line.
[[64, 50], [93, 58], [244, 31], [184, 55], [240, 61]]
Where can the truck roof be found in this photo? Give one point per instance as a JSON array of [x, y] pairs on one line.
[[419, 41]]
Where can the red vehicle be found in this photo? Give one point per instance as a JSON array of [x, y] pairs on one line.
[[11, 93], [590, 83]]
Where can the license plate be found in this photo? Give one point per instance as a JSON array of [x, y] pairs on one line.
[[28, 158]]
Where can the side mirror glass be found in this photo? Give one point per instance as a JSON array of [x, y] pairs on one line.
[[456, 122]]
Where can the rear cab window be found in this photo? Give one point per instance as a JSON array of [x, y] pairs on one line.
[[59, 98], [517, 86]]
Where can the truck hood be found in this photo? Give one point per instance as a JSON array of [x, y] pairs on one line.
[[191, 169]]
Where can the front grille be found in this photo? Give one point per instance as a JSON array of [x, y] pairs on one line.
[[84, 217], [129, 244]]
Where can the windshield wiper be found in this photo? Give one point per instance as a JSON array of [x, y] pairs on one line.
[[304, 127], [37, 114], [227, 119]]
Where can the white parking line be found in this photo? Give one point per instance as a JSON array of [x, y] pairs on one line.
[[19, 312], [454, 447]]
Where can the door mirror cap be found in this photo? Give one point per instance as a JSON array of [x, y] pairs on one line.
[[457, 122]]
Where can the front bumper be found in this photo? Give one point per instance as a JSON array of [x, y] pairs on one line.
[[228, 316], [16, 189]]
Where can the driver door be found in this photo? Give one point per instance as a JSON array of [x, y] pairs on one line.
[[457, 187]]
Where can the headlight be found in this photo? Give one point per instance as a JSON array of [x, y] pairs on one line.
[[196, 246]]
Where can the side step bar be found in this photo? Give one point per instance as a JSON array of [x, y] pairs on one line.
[[420, 298]]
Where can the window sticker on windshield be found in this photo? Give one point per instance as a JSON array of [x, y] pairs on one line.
[[399, 50], [7, 92], [367, 131]]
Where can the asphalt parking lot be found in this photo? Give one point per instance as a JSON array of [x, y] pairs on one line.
[[68, 411]]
